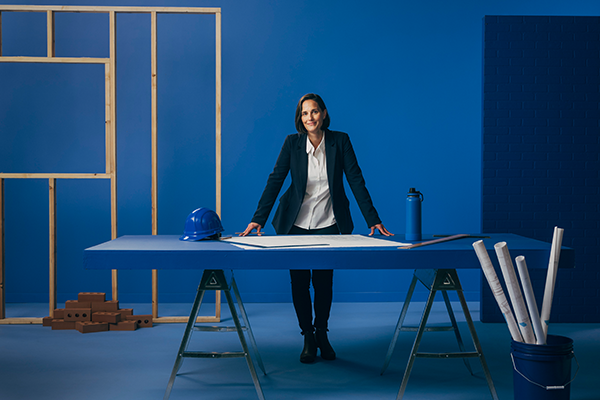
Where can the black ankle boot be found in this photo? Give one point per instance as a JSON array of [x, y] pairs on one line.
[[327, 352], [309, 352]]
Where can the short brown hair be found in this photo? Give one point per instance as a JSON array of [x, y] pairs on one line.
[[316, 98]]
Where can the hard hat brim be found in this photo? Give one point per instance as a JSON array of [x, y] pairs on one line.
[[199, 236]]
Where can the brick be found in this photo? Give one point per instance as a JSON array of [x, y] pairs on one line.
[[574, 45], [522, 114], [124, 326], [92, 297], [61, 324], [510, 70], [527, 27], [550, 44], [497, 113], [534, 105], [493, 79], [496, 61], [535, 88], [509, 87], [535, 156], [524, 62], [78, 314], [125, 311], [496, 44], [522, 45], [536, 20], [89, 327], [111, 305], [508, 207], [510, 36], [521, 96], [490, 88], [59, 313], [508, 190], [542, 96], [510, 19], [497, 96], [144, 321], [105, 316], [508, 122], [510, 54], [47, 321], [77, 304], [547, 113], [487, 122]]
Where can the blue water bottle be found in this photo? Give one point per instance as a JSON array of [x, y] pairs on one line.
[[413, 214]]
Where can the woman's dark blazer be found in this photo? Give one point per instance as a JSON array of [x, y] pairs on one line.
[[293, 157]]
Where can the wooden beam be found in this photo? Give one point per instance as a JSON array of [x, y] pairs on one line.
[[218, 111], [52, 236], [218, 304], [21, 321], [112, 149], [55, 60], [100, 9], [154, 150], [107, 121], [2, 295], [0, 33], [53, 175], [50, 33], [154, 293], [154, 121], [218, 95], [176, 320]]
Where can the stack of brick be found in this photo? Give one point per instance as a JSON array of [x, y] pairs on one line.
[[91, 312]]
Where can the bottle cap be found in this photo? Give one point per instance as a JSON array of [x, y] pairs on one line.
[[412, 192]]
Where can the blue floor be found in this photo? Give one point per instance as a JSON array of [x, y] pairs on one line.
[[36, 362]]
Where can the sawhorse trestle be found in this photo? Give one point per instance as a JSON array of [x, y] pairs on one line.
[[216, 280], [436, 280]]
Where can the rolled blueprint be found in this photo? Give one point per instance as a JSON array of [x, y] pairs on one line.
[[514, 292], [551, 277], [492, 278], [534, 314]]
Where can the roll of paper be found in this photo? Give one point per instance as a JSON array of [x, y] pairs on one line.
[[514, 292], [551, 277], [534, 314], [494, 282]]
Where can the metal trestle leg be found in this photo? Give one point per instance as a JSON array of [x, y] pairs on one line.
[[216, 280], [442, 280]]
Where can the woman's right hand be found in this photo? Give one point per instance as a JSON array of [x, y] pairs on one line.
[[251, 227]]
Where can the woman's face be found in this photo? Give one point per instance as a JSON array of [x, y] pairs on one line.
[[312, 116]]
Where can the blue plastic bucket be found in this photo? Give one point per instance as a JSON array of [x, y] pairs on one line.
[[543, 372]]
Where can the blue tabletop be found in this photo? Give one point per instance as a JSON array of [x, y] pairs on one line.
[[168, 252]]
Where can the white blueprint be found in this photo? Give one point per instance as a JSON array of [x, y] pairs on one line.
[[279, 241]]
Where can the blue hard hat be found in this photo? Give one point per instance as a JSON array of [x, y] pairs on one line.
[[201, 223]]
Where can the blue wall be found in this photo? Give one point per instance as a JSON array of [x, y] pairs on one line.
[[403, 79]]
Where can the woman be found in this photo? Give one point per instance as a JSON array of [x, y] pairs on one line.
[[314, 204]]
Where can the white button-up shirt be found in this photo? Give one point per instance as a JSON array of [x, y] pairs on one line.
[[316, 211]]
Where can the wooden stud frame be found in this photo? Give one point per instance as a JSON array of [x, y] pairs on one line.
[[110, 140]]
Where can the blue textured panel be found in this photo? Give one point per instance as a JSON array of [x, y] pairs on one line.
[[553, 166]]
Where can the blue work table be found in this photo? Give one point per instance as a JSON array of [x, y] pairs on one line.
[[167, 252], [434, 266]]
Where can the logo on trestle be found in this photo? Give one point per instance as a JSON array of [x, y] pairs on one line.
[[213, 280]]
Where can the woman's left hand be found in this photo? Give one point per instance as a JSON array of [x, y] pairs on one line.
[[381, 229]]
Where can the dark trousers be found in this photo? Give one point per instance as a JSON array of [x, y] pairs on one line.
[[322, 280]]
